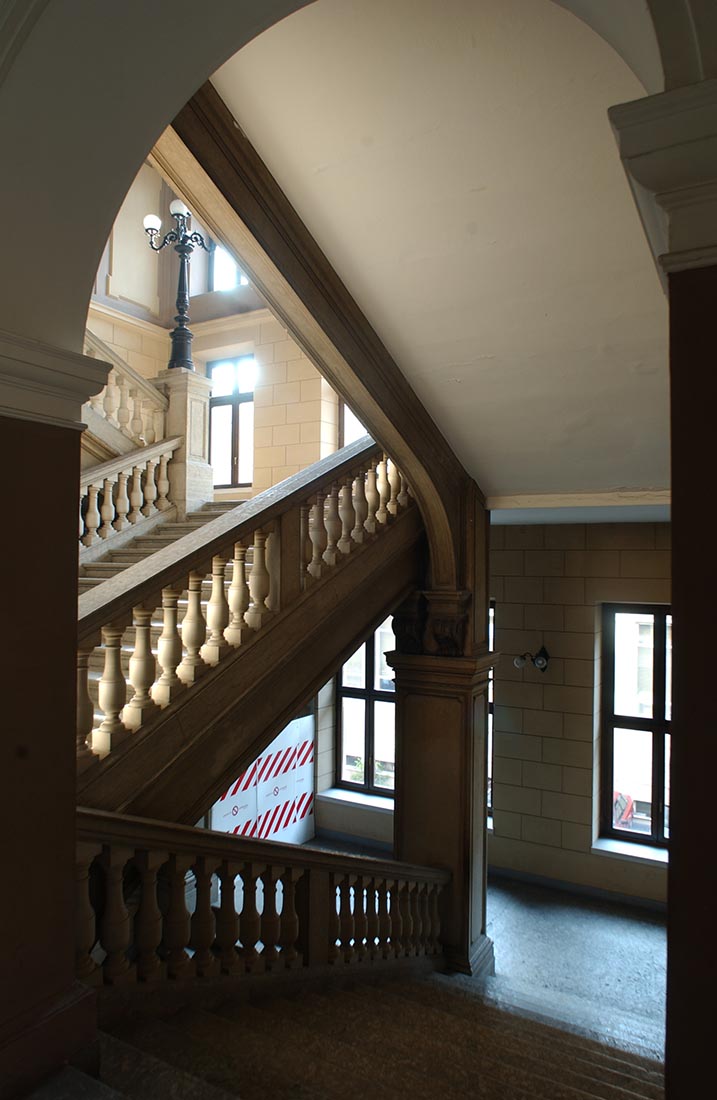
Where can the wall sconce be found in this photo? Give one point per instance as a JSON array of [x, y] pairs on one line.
[[540, 660]]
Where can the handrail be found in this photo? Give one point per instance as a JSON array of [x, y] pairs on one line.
[[99, 349], [133, 585], [95, 475]]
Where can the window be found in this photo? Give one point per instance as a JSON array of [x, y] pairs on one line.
[[489, 731], [637, 709], [231, 425], [365, 717], [350, 427], [224, 271]]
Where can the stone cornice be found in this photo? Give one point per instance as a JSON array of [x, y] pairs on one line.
[[668, 145], [44, 383]]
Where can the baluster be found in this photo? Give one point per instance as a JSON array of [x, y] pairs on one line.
[[360, 505], [124, 414], [270, 923], [250, 922], [373, 499], [385, 946], [115, 924], [217, 615], [81, 530], [361, 899], [236, 632], [259, 584], [396, 919], [334, 923], [142, 672], [404, 904], [148, 921], [403, 492], [346, 918], [112, 692], [435, 920], [318, 536], [92, 516], [347, 516], [169, 652], [425, 920], [384, 490], [372, 946], [228, 921], [414, 900], [136, 424], [86, 969], [176, 919], [111, 400], [97, 402], [194, 632], [107, 510], [289, 918], [121, 502], [135, 495], [305, 548], [333, 526], [394, 481], [144, 410], [85, 706], [150, 489], [162, 503], [203, 924], [273, 565]]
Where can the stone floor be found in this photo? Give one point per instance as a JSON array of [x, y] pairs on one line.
[[593, 965]]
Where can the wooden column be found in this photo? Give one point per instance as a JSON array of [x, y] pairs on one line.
[[692, 876]]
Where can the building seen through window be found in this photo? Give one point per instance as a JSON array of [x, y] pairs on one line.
[[636, 722], [365, 719], [231, 428]]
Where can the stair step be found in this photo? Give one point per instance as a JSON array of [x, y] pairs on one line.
[[71, 1084], [143, 1076]]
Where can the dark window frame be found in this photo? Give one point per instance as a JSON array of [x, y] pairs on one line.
[[235, 400], [370, 695], [659, 725], [490, 725]]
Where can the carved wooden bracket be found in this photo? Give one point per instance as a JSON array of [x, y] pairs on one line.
[[446, 619]]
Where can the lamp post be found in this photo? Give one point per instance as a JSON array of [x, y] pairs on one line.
[[184, 243]]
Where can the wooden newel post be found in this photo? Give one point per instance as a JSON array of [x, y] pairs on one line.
[[313, 901]]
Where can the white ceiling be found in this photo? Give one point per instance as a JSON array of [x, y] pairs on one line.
[[456, 164]]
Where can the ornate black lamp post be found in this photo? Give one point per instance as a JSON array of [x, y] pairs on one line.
[[185, 243]]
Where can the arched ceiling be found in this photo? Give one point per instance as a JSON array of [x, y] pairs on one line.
[[456, 164]]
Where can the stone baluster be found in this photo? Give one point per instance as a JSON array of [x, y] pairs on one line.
[[347, 516], [217, 615], [121, 502], [305, 548], [85, 706], [250, 921], [372, 942], [384, 490], [97, 402], [361, 903], [86, 969], [396, 919], [176, 919], [259, 584], [435, 920], [107, 510], [142, 672], [115, 923], [426, 920], [334, 922], [150, 489], [373, 499], [110, 402], [136, 424], [384, 948], [203, 928], [414, 899], [318, 536], [148, 921], [333, 526], [162, 503], [169, 652], [228, 921], [270, 922], [404, 903], [403, 492], [124, 413], [145, 412], [289, 918], [92, 516], [112, 692], [194, 632], [236, 631], [394, 481], [360, 505], [346, 919], [135, 495]]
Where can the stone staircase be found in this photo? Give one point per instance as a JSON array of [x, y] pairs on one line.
[[421, 1036]]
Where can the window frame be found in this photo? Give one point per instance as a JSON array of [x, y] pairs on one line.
[[659, 725], [370, 695], [235, 400]]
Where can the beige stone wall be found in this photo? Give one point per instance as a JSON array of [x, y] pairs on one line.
[[143, 345], [326, 737], [549, 583]]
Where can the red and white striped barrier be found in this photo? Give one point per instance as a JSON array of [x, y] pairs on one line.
[[304, 805], [274, 764], [305, 753]]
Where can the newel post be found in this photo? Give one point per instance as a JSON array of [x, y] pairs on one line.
[[313, 904], [190, 475]]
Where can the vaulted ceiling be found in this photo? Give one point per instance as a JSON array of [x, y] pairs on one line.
[[456, 164]]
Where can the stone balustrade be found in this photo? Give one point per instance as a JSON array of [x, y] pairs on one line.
[[125, 490], [158, 902], [228, 579], [128, 402]]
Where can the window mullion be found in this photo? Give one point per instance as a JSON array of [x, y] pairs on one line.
[[658, 740]]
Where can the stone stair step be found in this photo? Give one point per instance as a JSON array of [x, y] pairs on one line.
[[71, 1084], [143, 1076]]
